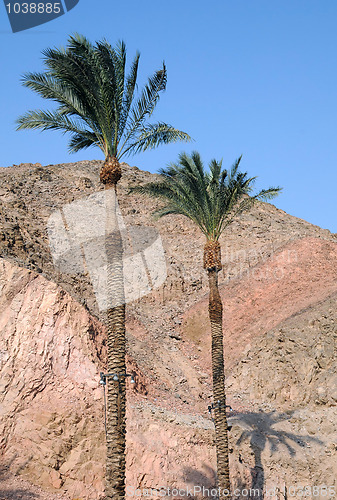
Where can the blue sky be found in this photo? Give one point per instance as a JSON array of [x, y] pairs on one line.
[[250, 77]]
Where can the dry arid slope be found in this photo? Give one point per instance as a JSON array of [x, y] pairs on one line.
[[279, 289]]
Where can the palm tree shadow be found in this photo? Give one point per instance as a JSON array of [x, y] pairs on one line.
[[200, 479], [207, 482], [257, 427]]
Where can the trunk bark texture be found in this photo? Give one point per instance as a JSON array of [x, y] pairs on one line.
[[116, 398], [219, 395]]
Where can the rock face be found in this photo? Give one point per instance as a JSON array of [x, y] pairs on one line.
[[52, 424], [49, 368], [279, 290], [291, 372]]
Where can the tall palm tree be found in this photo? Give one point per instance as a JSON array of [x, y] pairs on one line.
[[211, 200], [98, 105]]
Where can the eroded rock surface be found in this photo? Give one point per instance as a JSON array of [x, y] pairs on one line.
[[279, 291]]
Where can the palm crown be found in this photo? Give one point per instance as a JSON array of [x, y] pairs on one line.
[[211, 199], [96, 99]]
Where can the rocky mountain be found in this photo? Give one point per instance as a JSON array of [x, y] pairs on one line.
[[279, 290]]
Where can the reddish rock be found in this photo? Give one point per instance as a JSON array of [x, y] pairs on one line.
[[279, 290]]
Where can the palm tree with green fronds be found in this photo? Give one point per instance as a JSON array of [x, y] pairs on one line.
[[97, 104], [212, 200]]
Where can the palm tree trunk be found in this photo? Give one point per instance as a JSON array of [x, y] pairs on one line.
[[116, 400], [219, 395]]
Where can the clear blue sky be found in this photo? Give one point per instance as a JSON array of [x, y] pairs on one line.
[[251, 77]]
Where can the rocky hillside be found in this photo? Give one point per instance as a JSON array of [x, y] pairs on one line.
[[279, 289]]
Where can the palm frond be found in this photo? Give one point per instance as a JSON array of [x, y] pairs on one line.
[[81, 141], [152, 136], [78, 68], [268, 194], [92, 89], [210, 199], [177, 198], [47, 86], [128, 95], [48, 120], [144, 105]]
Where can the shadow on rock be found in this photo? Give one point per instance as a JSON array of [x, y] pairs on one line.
[[13, 493], [201, 483], [258, 429], [17, 494]]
